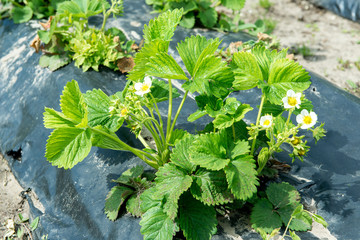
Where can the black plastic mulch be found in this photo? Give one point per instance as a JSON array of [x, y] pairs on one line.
[[74, 199]]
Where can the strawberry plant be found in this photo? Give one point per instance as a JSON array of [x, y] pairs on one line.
[[195, 174], [67, 36], [22, 11]]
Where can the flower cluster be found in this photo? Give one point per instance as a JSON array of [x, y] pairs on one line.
[[292, 100]]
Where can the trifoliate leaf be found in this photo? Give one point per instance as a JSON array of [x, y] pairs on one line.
[[116, 197], [171, 182], [302, 222], [54, 119], [98, 106], [21, 15], [188, 20], [142, 58], [233, 4], [72, 102], [160, 91], [282, 194], [133, 205], [241, 177], [265, 57], [210, 187], [164, 66], [197, 220], [180, 155], [209, 151], [162, 27], [208, 17], [241, 147], [157, 225], [68, 146], [248, 73], [129, 174], [193, 47], [82, 8], [285, 75], [264, 217], [211, 76]]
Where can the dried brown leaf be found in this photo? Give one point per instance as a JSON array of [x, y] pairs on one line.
[[126, 64], [35, 43], [46, 25]]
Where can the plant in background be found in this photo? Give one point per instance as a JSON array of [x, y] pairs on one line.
[[67, 36], [195, 174], [22, 11], [21, 229]]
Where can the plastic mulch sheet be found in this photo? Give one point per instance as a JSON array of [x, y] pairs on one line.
[[73, 200], [346, 8]]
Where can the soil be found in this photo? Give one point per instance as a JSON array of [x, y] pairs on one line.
[[330, 47], [12, 201]]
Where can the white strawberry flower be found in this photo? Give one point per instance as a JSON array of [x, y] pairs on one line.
[[143, 88], [266, 121], [306, 119], [292, 99]]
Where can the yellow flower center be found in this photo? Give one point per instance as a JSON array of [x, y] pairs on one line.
[[266, 122], [144, 87], [292, 101], [124, 112], [307, 120]]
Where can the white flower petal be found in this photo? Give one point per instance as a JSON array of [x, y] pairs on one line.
[[299, 119], [147, 81], [290, 93], [313, 117], [138, 86]]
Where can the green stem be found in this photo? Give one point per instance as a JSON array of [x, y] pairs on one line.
[[286, 229], [233, 131], [157, 110], [168, 127], [288, 119], [120, 145], [177, 114], [17, 4], [257, 123], [156, 137], [106, 15], [142, 140], [161, 130]]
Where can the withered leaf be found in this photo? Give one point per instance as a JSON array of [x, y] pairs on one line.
[[126, 64]]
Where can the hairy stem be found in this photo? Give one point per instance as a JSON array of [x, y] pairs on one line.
[[168, 127], [177, 114], [117, 144], [257, 123], [289, 115], [286, 229]]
